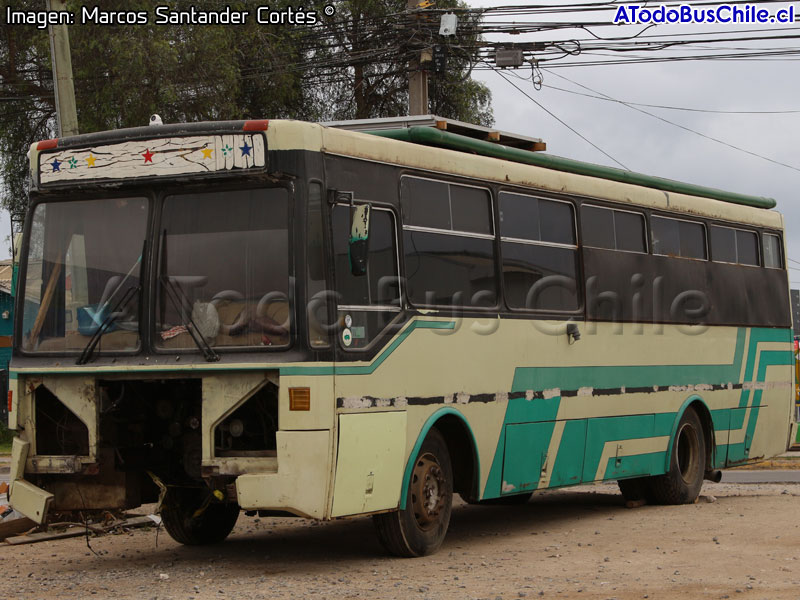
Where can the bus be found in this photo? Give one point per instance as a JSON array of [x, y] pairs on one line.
[[281, 317]]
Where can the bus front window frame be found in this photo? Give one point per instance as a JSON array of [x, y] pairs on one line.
[[130, 269], [270, 329]]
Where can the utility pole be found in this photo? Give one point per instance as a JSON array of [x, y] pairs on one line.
[[66, 113], [417, 81]]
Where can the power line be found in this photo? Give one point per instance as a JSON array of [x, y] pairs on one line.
[[703, 135], [681, 108], [572, 129]]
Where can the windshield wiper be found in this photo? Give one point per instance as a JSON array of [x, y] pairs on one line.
[[112, 316], [177, 297]]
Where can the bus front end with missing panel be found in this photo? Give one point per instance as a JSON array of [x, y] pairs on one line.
[[90, 443]]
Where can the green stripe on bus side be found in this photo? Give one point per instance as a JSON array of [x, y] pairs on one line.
[[284, 370], [758, 336], [377, 362], [604, 377], [635, 464], [542, 378], [768, 358]]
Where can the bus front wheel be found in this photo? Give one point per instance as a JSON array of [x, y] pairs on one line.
[[420, 527], [682, 483], [192, 517]]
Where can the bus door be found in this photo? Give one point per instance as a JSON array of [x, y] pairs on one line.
[[372, 430]]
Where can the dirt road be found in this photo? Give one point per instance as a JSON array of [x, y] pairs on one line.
[[742, 542]]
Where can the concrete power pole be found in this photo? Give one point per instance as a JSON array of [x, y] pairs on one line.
[[66, 113], [417, 82]]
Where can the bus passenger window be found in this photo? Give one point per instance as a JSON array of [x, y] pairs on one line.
[[540, 257], [772, 251], [449, 262], [613, 229], [733, 245], [471, 209], [674, 237], [426, 203], [746, 247]]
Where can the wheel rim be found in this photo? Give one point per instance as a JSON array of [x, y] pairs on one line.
[[428, 492], [687, 453]]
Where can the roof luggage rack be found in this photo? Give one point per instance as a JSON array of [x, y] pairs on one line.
[[477, 132], [430, 130]]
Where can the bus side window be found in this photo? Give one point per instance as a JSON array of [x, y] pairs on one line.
[[540, 255], [678, 238], [733, 245], [448, 240], [772, 251], [613, 229], [366, 303]]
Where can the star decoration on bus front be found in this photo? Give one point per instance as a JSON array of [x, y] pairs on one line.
[[207, 152], [245, 149], [56, 165], [90, 160], [148, 156]]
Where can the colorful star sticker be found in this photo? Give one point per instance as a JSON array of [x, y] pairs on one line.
[[226, 149], [148, 156], [56, 165], [73, 162], [207, 152], [90, 160], [245, 149]]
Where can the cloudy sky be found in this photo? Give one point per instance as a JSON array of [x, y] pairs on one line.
[[647, 145]]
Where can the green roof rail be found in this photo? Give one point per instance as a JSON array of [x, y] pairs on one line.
[[430, 136]]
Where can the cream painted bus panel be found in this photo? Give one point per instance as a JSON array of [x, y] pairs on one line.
[[370, 463], [301, 483]]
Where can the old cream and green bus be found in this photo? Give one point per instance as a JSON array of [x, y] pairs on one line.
[[281, 317]]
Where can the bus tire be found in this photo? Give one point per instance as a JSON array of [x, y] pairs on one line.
[[636, 489], [419, 529], [682, 482], [188, 522]]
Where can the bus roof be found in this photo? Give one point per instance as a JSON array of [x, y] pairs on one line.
[[436, 151]]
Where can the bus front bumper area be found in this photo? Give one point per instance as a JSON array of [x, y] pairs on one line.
[[295, 487], [24, 497], [89, 443], [299, 485]]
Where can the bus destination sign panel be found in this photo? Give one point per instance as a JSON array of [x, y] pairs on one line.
[[152, 158]]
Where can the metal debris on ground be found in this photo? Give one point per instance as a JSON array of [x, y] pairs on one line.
[[27, 532]]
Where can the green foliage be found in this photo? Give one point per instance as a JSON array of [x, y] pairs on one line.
[[354, 64], [6, 435]]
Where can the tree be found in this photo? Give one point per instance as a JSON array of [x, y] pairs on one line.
[[27, 103], [366, 53], [354, 64]]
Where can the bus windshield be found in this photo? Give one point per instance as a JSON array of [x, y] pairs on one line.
[[82, 275], [223, 274]]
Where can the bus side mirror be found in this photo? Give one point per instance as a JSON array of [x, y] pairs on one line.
[[359, 239]]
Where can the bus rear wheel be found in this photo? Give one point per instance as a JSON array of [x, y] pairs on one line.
[[192, 517], [419, 529], [682, 483]]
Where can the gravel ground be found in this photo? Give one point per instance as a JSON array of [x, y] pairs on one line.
[[741, 542]]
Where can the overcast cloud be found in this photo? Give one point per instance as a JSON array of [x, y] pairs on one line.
[[646, 145]]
